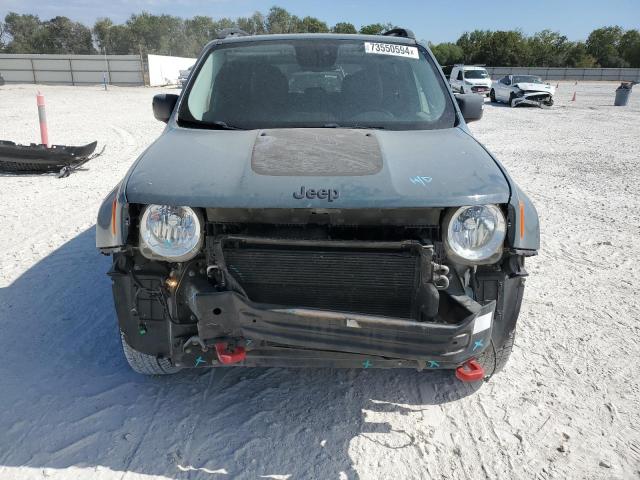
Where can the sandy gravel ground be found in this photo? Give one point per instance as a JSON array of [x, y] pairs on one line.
[[567, 406]]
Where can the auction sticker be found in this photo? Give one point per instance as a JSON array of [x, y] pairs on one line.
[[391, 49]]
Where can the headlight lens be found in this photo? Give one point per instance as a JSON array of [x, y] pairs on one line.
[[474, 235], [170, 233]]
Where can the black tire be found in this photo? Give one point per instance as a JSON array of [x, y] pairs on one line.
[[549, 103], [494, 359], [492, 96], [146, 364], [512, 97]]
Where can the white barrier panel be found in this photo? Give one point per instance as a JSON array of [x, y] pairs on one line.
[[165, 70], [71, 69]]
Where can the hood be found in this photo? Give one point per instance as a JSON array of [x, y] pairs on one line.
[[535, 87], [316, 168]]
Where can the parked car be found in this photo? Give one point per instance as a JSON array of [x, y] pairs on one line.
[[522, 90], [470, 79], [359, 225], [183, 77]]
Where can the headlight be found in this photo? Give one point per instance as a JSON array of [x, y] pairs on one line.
[[170, 233], [474, 235]]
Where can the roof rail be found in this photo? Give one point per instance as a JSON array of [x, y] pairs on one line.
[[232, 32], [400, 32]]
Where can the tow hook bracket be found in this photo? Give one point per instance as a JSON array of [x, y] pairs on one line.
[[226, 356], [470, 371]]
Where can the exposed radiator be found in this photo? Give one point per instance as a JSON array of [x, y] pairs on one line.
[[370, 282]]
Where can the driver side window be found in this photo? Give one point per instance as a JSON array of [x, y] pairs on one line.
[[506, 81]]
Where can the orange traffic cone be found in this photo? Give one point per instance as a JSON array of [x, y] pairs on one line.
[[574, 97]]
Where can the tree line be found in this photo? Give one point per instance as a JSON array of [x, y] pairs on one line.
[[610, 47], [169, 35]]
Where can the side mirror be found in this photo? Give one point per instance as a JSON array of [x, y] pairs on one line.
[[471, 105], [163, 105]]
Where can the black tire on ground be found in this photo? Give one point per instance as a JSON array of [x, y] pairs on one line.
[[511, 99], [492, 95], [549, 103], [146, 364], [494, 358]]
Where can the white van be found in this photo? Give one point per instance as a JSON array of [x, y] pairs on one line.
[[470, 79]]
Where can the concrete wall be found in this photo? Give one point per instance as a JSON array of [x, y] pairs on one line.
[[557, 73], [164, 70], [71, 69]]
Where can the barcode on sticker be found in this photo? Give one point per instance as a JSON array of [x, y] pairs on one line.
[[391, 49]]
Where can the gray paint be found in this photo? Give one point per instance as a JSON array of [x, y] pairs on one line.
[[213, 169], [531, 239], [205, 168]]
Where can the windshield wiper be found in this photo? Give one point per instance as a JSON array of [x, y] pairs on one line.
[[219, 125], [224, 126], [360, 127]]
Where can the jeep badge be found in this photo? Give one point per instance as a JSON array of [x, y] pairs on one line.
[[329, 194]]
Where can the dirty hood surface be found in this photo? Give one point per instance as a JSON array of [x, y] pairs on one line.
[[316, 168]]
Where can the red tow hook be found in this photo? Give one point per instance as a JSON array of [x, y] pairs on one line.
[[470, 371], [226, 356]]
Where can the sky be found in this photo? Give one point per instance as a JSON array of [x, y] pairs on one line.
[[433, 20]]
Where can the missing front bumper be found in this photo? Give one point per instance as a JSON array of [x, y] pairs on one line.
[[535, 100], [276, 336]]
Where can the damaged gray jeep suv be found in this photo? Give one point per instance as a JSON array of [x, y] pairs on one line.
[[317, 200]]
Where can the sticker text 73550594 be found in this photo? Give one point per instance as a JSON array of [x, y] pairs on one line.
[[391, 49]]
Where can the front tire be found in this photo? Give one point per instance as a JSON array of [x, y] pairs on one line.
[[512, 98], [494, 358], [146, 364], [492, 96]]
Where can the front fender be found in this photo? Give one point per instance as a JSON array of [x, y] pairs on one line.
[[524, 231], [113, 222], [524, 224]]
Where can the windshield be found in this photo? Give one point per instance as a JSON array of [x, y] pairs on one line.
[[477, 74], [317, 83], [526, 79]]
